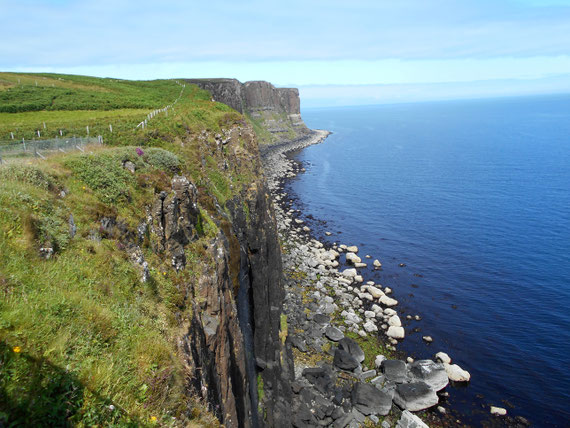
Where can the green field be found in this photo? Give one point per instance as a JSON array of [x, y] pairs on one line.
[[82, 341], [62, 105]]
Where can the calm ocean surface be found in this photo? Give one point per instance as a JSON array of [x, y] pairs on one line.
[[474, 197]]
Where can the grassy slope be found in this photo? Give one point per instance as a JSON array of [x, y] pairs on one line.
[[79, 333]]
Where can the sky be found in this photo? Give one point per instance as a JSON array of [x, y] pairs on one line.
[[335, 52]]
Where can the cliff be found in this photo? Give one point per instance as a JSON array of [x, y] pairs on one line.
[[143, 284], [274, 112]]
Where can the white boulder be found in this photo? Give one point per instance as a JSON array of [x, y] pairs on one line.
[[443, 357], [395, 332], [456, 373], [395, 321], [352, 258]]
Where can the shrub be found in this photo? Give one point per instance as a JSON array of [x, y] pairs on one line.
[[162, 159], [104, 173], [28, 174]]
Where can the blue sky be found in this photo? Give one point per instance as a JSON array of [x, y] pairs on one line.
[[337, 52]]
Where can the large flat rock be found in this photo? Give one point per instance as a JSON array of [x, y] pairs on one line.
[[352, 347], [433, 374], [395, 370], [415, 396], [370, 400]]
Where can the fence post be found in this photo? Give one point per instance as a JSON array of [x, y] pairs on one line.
[[12, 135]]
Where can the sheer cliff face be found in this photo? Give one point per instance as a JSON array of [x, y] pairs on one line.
[[276, 111], [231, 344]]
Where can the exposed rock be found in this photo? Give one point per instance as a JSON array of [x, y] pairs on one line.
[[352, 249], [320, 377], [409, 420], [377, 263], [349, 345], [388, 301], [395, 321], [378, 360], [344, 360], [129, 166], [370, 327], [298, 343], [394, 370], [427, 339], [396, 332], [375, 292], [443, 357], [499, 411], [349, 273], [433, 374], [370, 400], [321, 319], [334, 333], [352, 258], [415, 396], [456, 373]]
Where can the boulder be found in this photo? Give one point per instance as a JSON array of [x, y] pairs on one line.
[[349, 273], [370, 400], [321, 319], [375, 292], [349, 345], [343, 360], [395, 321], [388, 301], [298, 343], [456, 373], [370, 327], [352, 258], [499, 411], [378, 360], [320, 377], [352, 249], [415, 396], [427, 339], [443, 357], [394, 370], [409, 420], [396, 332], [433, 374], [333, 333], [377, 263]]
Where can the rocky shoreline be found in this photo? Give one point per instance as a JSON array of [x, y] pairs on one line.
[[343, 330]]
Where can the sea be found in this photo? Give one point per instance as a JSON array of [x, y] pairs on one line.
[[472, 198]]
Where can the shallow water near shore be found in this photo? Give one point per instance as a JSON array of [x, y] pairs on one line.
[[473, 197]]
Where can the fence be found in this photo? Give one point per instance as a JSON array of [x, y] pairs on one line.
[[40, 148], [154, 113]]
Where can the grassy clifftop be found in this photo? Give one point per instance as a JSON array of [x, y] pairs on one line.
[[82, 340]]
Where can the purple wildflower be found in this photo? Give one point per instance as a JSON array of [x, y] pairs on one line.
[[139, 151]]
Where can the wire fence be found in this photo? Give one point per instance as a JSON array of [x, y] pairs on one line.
[[154, 113], [42, 148]]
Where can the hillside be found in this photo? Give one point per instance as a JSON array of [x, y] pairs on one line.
[[124, 269]]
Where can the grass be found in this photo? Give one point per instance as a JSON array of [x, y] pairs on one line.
[[372, 346], [95, 346]]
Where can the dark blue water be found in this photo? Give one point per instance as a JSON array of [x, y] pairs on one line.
[[474, 197]]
